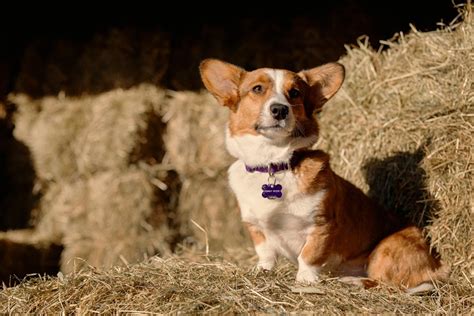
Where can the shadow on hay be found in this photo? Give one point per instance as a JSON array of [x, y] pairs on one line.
[[19, 260], [17, 176], [398, 183]]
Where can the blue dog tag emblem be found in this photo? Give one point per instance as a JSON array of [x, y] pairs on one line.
[[272, 191]]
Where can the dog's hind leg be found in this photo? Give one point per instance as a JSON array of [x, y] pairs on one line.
[[403, 259]]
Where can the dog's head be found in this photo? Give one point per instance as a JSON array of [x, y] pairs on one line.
[[272, 107]]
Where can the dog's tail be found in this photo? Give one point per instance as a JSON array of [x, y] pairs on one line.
[[403, 259]]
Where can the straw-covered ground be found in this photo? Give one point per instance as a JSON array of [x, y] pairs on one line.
[[401, 128], [215, 285]]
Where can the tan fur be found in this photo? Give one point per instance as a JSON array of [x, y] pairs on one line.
[[324, 81], [350, 230], [404, 258], [243, 120], [224, 83]]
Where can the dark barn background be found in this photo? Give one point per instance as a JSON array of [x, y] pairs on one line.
[[290, 34]]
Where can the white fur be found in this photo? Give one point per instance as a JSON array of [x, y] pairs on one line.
[[266, 256], [422, 288], [285, 222], [307, 273], [278, 96], [278, 77], [260, 150]]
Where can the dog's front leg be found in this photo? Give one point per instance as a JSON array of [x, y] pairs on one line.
[[266, 254], [311, 258]]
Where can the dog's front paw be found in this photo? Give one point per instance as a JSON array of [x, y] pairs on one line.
[[307, 276], [265, 265], [258, 270], [307, 273]]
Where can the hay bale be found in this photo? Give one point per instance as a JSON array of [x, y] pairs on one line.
[[72, 136], [49, 127], [194, 137], [402, 129], [105, 220], [97, 160], [124, 127], [211, 204], [196, 148]]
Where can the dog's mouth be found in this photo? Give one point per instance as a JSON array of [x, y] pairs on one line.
[[281, 129], [278, 126], [267, 128]]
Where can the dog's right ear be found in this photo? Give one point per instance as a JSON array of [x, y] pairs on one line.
[[324, 81], [222, 80]]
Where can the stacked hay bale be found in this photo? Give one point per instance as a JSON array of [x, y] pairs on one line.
[[97, 158], [402, 129], [194, 141]]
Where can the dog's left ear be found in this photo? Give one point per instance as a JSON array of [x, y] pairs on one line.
[[222, 80], [324, 81]]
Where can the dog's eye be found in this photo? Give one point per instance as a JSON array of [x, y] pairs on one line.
[[294, 93], [257, 89]]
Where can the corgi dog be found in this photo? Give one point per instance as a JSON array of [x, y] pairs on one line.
[[291, 201]]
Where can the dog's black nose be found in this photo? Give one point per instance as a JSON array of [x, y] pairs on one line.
[[279, 111]]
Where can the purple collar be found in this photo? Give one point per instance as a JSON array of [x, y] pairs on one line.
[[270, 168]]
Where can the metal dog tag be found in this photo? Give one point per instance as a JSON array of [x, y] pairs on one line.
[[272, 191]]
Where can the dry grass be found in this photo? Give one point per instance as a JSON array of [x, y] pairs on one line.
[[211, 285]]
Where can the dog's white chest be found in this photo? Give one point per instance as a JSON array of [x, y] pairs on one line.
[[285, 221]]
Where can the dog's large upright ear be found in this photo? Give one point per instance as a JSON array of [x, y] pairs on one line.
[[222, 80], [324, 81]]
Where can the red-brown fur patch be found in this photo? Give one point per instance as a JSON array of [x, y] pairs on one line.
[[257, 236]]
